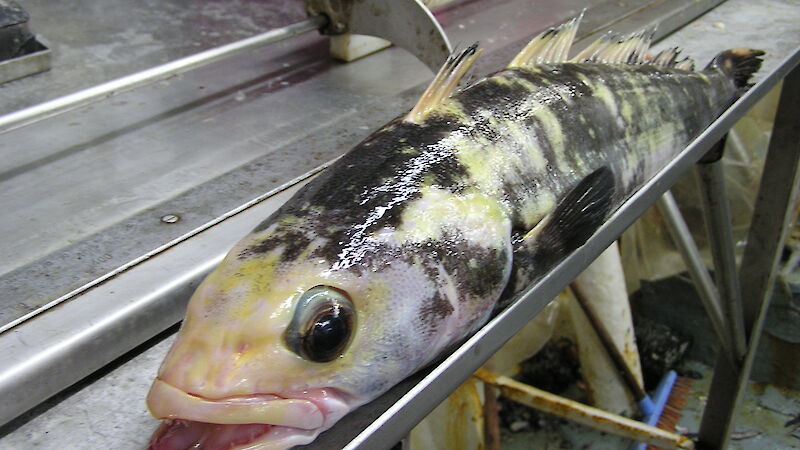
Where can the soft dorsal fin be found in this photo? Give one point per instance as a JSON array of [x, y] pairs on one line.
[[613, 49], [666, 58], [552, 46], [669, 58], [685, 64], [445, 82], [632, 49]]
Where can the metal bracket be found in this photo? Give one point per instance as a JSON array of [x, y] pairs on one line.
[[36, 61], [405, 23], [21, 54], [715, 154]]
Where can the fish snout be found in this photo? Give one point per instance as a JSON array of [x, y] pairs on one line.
[[168, 402]]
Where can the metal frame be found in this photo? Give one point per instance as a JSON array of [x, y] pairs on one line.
[[717, 217], [777, 194], [709, 296], [739, 303]]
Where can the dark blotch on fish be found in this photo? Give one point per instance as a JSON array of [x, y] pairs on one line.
[[491, 94], [454, 253], [292, 241], [433, 313], [361, 179]]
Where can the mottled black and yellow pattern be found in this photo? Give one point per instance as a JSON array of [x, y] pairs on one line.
[[511, 145], [428, 222]]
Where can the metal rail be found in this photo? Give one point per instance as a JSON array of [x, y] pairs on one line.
[[772, 215], [709, 296], [87, 96], [717, 218]]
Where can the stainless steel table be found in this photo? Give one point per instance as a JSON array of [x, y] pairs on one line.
[[208, 158]]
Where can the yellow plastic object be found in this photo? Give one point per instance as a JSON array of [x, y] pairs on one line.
[[455, 423]]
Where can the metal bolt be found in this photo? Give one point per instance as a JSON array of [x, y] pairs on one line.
[[170, 218], [337, 28]]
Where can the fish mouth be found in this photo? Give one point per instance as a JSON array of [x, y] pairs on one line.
[[257, 421]]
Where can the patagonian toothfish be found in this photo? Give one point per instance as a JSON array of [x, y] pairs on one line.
[[407, 244]]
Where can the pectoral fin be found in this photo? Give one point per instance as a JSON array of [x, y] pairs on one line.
[[576, 217]]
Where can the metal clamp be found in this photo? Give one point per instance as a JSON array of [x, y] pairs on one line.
[[405, 23]]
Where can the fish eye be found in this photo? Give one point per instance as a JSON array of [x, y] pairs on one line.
[[322, 324]]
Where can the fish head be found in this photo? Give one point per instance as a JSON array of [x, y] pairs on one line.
[[280, 342]]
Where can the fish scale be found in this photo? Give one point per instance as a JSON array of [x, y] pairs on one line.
[[409, 242]]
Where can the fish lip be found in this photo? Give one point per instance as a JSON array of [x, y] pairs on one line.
[[231, 437], [331, 403], [306, 410]]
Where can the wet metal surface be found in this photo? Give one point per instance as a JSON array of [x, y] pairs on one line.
[[94, 42]]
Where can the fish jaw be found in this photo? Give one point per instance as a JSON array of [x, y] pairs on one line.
[[260, 421], [181, 435]]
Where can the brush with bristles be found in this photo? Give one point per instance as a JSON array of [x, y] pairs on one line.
[[673, 409], [665, 404]]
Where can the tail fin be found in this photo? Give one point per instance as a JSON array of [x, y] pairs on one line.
[[739, 64]]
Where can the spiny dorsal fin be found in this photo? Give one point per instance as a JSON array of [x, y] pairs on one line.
[[552, 46], [445, 82]]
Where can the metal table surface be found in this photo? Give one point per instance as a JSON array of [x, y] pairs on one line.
[[108, 411], [94, 42], [100, 178]]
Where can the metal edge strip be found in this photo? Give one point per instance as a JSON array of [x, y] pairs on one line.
[[84, 97]]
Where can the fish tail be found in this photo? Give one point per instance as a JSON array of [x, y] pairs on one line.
[[739, 64]]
